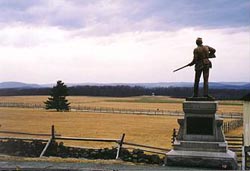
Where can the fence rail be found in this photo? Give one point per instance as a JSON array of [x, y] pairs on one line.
[[23, 138], [53, 137], [146, 146], [25, 133], [21, 105], [87, 139], [235, 143], [117, 110], [231, 125]]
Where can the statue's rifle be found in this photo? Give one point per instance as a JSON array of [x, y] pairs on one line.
[[181, 68]]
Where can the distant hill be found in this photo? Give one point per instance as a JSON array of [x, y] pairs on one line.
[[230, 85], [212, 85], [226, 91], [5, 85]]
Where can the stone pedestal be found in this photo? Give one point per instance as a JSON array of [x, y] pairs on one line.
[[200, 141]]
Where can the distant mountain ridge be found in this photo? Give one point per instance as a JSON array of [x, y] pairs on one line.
[[212, 85], [13, 84]]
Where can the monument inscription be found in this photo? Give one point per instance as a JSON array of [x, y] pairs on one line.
[[200, 125]]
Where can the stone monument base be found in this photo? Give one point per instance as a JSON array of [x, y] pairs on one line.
[[216, 160], [200, 141]]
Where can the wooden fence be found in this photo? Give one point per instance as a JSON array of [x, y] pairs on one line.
[[247, 157], [235, 143], [25, 133], [53, 137], [117, 110], [231, 125], [21, 105]]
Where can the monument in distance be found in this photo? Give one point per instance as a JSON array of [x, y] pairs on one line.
[[200, 141]]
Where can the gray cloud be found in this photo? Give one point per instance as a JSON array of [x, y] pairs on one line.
[[100, 17], [19, 5]]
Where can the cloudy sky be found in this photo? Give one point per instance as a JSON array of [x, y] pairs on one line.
[[107, 41]]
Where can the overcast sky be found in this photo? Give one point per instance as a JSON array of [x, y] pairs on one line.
[[121, 41]]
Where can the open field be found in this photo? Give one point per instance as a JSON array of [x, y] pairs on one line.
[[151, 130], [142, 129], [140, 102]]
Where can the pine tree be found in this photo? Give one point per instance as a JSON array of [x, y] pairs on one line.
[[58, 99]]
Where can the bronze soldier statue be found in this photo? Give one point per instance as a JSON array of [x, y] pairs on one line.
[[202, 65]]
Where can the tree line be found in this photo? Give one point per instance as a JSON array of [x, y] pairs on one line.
[[128, 91]]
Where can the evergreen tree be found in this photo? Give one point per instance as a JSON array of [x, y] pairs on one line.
[[58, 99]]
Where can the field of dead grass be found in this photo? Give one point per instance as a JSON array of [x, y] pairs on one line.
[[236, 132], [151, 130], [140, 102], [142, 129]]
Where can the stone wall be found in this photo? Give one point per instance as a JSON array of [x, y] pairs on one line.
[[35, 147]]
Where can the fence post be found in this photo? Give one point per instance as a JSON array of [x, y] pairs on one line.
[[173, 136], [226, 126], [243, 159], [247, 157], [53, 132], [119, 147], [49, 141]]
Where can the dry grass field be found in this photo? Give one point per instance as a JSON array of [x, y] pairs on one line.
[[151, 130], [140, 102], [142, 129]]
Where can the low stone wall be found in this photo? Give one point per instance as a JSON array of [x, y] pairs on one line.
[[21, 148], [34, 148]]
